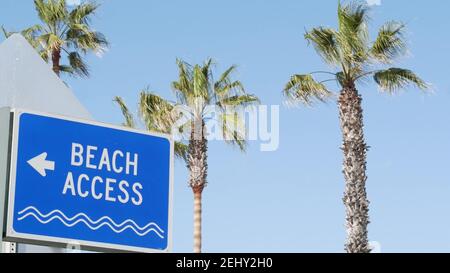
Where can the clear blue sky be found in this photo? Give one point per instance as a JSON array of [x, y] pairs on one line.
[[288, 200]]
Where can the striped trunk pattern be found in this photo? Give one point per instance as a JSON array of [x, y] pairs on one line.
[[197, 222], [198, 168]]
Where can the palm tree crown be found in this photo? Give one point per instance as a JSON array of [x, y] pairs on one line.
[[65, 31], [195, 91], [349, 50]]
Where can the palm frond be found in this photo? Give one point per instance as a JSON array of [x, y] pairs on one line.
[[390, 42], [159, 116], [30, 34], [229, 89], [44, 54], [6, 33], [67, 69], [207, 69], [353, 31], [181, 150], [156, 112], [324, 41], [224, 79], [233, 129], [78, 65], [200, 83], [238, 101], [81, 14], [225, 88], [394, 79], [50, 41], [129, 119], [42, 10], [303, 88], [52, 12], [353, 18], [183, 85], [80, 36]]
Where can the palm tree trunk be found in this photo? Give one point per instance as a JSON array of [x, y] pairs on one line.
[[354, 169], [56, 58], [197, 221], [198, 167]]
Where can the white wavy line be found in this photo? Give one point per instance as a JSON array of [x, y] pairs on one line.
[[88, 225], [136, 226], [89, 222]]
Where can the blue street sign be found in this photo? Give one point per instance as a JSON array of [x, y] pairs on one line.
[[102, 187]]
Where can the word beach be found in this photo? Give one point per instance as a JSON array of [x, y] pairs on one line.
[[110, 189]]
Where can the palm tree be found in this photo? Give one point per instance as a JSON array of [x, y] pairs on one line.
[[196, 91], [354, 59], [65, 31]]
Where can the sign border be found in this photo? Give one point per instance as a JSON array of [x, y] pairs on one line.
[[13, 236]]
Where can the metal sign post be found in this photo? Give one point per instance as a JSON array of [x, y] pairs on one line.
[[5, 120]]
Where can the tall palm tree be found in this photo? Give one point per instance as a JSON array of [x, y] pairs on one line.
[[196, 91], [66, 31], [354, 58]]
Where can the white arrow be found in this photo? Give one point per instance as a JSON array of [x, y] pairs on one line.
[[41, 164]]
